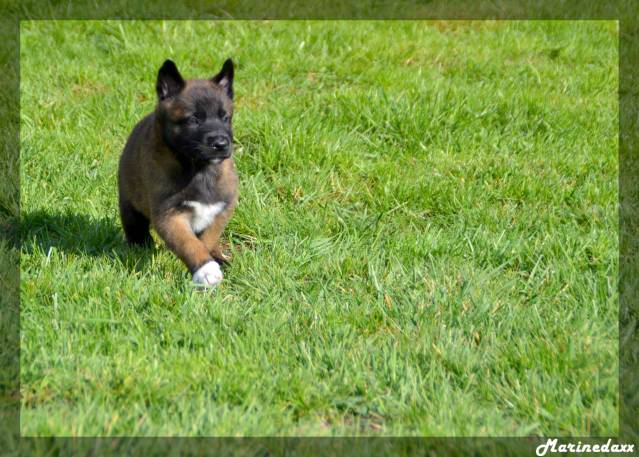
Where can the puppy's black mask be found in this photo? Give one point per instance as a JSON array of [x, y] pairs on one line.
[[195, 116]]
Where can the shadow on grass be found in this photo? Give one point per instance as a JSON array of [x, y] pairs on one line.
[[81, 235]]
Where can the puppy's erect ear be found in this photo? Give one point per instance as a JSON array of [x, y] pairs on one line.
[[224, 78], [170, 82]]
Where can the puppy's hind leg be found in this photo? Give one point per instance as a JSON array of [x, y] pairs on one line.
[[135, 224]]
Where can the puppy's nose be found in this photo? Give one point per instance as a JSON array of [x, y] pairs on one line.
[[218, 143]]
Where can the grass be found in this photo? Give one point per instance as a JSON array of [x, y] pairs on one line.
[[426, 241]]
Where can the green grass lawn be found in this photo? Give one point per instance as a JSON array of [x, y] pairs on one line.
[[425, 244]]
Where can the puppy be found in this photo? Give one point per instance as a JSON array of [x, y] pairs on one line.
[[177, 173]]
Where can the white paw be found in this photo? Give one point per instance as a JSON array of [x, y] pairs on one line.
[[208, 274]]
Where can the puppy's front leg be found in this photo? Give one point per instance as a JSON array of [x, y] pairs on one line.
[[175, 230], [211, 235]]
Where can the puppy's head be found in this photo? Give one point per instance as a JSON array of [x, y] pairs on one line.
[[195, 115]]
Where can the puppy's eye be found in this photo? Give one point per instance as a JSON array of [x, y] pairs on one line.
[[224, 116], [193, 120]]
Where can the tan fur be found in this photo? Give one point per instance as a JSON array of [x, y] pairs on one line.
[[174, 229], [211, 236]]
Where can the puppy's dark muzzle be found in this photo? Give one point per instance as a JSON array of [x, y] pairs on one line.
[[219, 146], [218, 143]]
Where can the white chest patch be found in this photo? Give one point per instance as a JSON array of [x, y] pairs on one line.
[[203, 214]]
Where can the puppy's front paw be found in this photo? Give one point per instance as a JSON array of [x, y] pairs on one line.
[[208, 274]]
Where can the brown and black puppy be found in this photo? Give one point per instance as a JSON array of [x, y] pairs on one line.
[[177, 173]]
